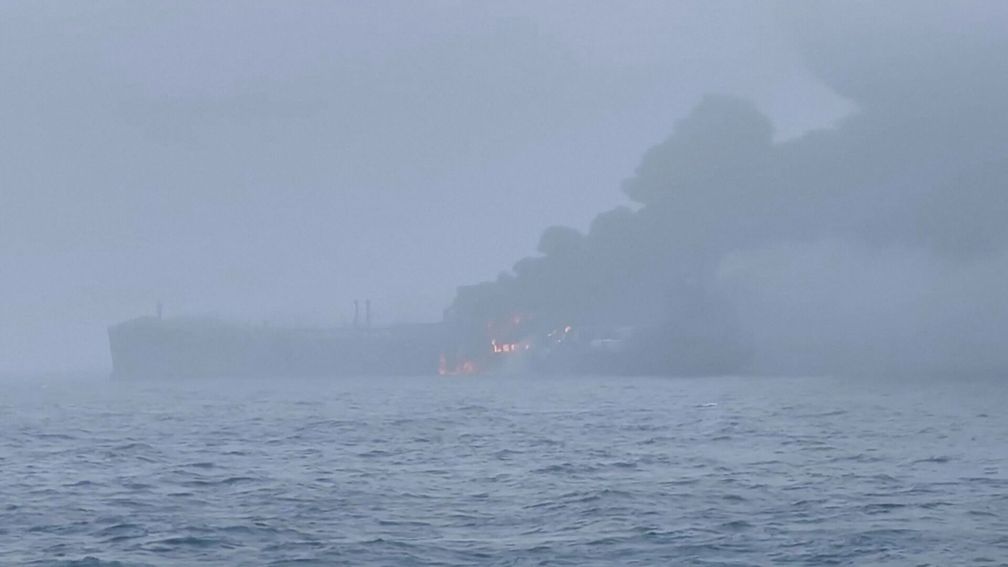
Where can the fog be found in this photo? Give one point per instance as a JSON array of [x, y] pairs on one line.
[[827, 177]]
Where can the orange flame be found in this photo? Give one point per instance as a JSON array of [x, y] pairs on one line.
[[501, 348], [462, 367]]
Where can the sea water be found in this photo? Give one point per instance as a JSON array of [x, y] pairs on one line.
[[504, 470]]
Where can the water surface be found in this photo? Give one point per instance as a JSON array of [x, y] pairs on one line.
[[505, 471]]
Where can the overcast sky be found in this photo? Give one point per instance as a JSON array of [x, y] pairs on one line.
[[275, 160]]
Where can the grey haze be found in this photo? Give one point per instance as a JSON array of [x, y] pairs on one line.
[[272, 161]]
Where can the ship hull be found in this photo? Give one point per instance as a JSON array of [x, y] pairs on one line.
[[149, 347]]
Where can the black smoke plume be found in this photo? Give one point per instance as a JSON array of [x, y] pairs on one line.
[[876, 245]]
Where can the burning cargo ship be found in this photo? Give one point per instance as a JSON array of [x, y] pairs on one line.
[[155, 347]]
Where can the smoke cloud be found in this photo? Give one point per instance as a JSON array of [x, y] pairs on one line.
[[876, 245]]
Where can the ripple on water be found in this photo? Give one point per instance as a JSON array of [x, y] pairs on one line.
[[506, 472]]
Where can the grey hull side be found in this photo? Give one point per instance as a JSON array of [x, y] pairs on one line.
[[149, 347]]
